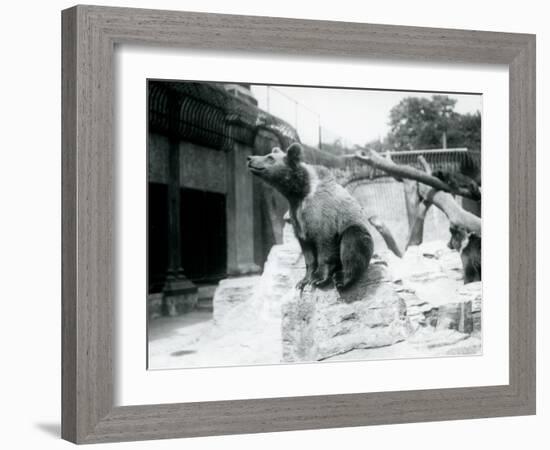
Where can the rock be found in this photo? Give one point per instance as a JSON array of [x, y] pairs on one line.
[[430, 281], [263, 293], [426, 344], [241, 333], [461, 310], [430, 270], [443, 312], [455, 316], [247, 312], [411, 307], [320, 323], [232, 292], [154, 305], [428, 261], [180, 296], [420, 298], [430, 339], [472, 292], [283, 269], [418, 309]]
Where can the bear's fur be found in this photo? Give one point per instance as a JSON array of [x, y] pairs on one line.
[[469, 246], [328, 222]]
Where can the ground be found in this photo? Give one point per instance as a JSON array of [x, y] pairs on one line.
[[174, 341], [177, 342], [247, 326]]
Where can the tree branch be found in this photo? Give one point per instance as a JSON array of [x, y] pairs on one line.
[[373, 159], [438, 195], [425, 165], [457, 216], [386, 235]]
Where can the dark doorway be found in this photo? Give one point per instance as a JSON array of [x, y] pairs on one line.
[[157, 235], [203, 235]]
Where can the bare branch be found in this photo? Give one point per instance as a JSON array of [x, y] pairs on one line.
[[387, 155], [416, 230], [457, 216], [401, 171], [425, 164], [386, 235], [431, 190]]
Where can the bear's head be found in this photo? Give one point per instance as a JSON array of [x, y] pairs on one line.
[[284, 171], [458, 236]]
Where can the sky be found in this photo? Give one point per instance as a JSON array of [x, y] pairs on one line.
[[355, 115]]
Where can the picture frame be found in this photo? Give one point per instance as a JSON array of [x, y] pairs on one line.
[[89, 37]]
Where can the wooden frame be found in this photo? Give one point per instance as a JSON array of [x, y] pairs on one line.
[[89, 36]]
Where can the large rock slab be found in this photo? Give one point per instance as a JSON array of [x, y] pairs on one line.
[[420, 299], [321, 323]]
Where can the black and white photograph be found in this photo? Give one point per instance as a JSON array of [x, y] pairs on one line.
[[258, 225], [300, 224]]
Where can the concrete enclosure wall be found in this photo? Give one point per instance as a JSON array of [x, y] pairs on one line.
[[385, 198]]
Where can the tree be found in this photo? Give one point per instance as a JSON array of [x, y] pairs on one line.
[[423, 123], [378, 145], [465, 132]]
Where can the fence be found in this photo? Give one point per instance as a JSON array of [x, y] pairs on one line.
[[449, 160]]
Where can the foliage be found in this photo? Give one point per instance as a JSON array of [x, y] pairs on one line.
[[418, 123], [466, 132], [424, 123]]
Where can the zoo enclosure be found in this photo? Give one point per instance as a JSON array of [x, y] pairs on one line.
[[209, 219], [384, 196]]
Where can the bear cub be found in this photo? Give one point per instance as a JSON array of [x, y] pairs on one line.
[[328, 222]]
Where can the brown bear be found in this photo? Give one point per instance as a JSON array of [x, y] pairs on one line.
[[469, 246], [328, 222]]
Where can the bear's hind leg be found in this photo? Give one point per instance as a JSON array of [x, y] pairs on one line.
[[310, 258], [356, 248]]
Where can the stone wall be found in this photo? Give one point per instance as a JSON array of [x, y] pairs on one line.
[[201, 168], [158, 158], [385, 198]]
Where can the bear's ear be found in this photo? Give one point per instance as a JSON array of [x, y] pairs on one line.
[[294, 154]]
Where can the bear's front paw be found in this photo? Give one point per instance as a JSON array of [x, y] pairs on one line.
[[302, 283]]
